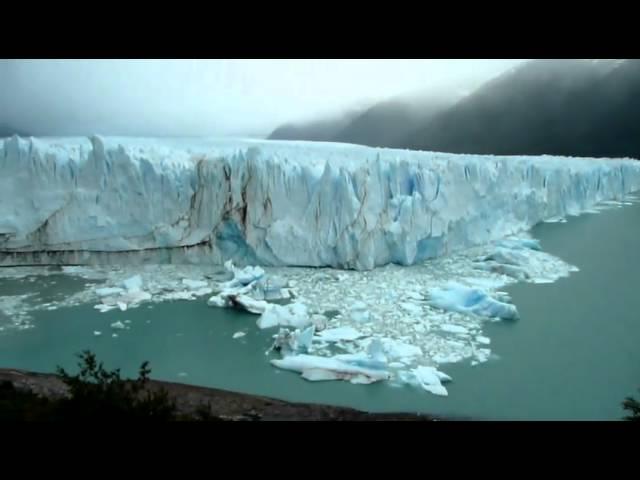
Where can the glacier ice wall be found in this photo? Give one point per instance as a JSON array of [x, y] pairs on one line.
[[93, 200]]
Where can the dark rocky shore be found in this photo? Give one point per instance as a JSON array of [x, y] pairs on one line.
[[223, 404]]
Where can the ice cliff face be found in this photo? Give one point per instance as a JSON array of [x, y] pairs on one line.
[[77, 200]]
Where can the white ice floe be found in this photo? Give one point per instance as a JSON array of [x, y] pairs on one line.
[[397, 350], [104, 308], [230, 299], [133, 284], [239, 334], [448, 327], [296, 342], [118, 325], [202, 291], [219, 301], [339, 334], [359, 313], [245, 302], [316, 368], [292, 315], [319, 322], [243, 276], [109, 291], [180, 295], [459, 298], [430, 379], [136, 296], [194, 284]]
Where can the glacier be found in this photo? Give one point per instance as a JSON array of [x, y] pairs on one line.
[[107, 200]]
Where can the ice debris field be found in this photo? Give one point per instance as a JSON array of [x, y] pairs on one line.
[[368, 264]]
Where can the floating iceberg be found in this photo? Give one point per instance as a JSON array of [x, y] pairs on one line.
[[292, 315], [298, 341], [243, 276], [230, 299], [272, 203], [459, 298], [359, 313], [339, 334], [133, 284], [315, 368], [183, 295], [397, 350], [430, 379], [109, 291], [194, 284]]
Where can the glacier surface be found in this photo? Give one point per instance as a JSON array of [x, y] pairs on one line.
[[109, 200]]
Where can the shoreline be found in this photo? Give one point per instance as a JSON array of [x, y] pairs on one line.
[[231, 406]]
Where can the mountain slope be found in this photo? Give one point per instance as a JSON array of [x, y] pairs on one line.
[[556, 107], [322, 130], [386, 123]]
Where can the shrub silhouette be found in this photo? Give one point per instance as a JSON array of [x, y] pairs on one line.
[[633, 406], [97, 394]]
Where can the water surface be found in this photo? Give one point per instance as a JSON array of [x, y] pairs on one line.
[[573, 355]]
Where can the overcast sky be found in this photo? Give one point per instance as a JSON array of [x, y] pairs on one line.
[[211, 97]]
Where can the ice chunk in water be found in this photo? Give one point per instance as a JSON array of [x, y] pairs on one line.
[[396, 349], [303, 339], [107, 291], [244, 276], [323, 368], [459, 298], [291, 315], [133, 283], [376, 350], [219, 301], [194, 284], [338, 334], [359, 312], [430, 379], [247, 303], [104, 308], [448, 327]]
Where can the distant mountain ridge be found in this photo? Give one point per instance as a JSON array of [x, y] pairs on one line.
[[555, 107], [322, 130], [385, 124], [575, 108], [381, 125]]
